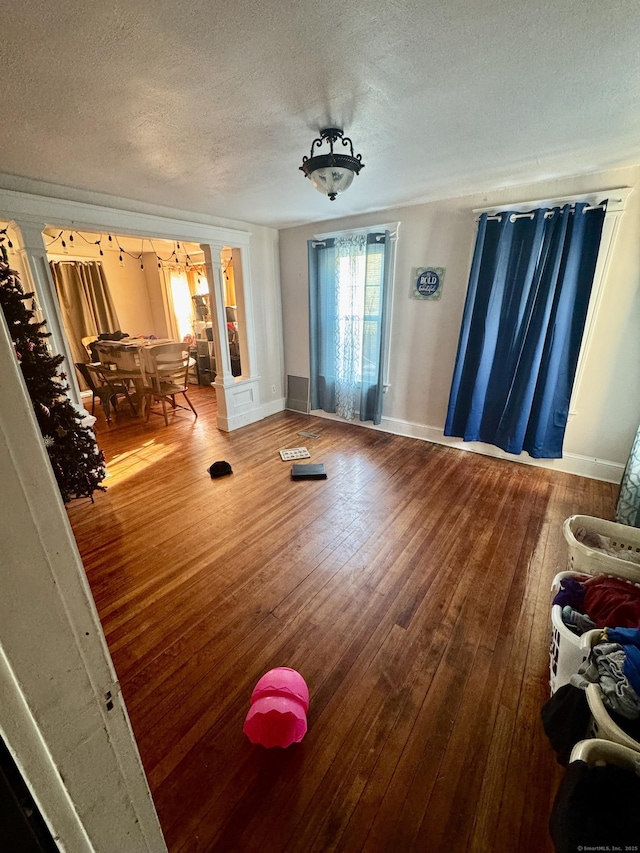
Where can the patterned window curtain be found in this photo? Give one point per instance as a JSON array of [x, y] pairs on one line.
[[349, 296], [628, 506]]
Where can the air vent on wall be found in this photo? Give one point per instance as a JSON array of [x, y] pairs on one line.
[[298, 394]]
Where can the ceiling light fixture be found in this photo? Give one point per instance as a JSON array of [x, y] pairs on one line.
[[331, 173]]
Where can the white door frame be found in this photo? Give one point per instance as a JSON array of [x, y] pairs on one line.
[[62, 715]]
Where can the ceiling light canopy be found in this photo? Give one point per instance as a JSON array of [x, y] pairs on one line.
[[331, 173]]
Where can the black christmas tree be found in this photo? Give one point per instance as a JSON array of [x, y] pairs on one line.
[[77, 462]]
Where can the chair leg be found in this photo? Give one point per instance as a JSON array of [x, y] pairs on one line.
[[93, 403], [164, 411], [130, 401], [189, 402]]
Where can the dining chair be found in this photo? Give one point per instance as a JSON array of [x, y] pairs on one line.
[[166, 372], [87, 341], [103, 388]]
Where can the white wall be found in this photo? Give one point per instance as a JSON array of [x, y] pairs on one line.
[[156, 300], [265, 289], [424, 334], [130, 292]]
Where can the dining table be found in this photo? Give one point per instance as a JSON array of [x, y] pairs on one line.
[[124, 361]]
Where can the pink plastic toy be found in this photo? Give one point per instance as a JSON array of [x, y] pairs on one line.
[[279, 705]]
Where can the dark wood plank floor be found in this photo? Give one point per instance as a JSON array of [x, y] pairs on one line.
[[411, 589]]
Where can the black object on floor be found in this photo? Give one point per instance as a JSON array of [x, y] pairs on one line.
[[565, 718], [308, 471], [596, 808], [219, 469]]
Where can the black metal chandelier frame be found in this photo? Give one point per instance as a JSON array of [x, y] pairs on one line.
[[331, 135]]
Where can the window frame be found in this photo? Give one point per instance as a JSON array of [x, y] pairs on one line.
[[393, 229]]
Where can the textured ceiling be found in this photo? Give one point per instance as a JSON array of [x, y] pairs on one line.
[[210, 106]]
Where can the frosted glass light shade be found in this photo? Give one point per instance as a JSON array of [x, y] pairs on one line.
[[331, 173], [332, 180]]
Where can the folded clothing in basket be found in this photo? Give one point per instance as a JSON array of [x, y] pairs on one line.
[[605, 667], [629, 639], [565, 718], [571, 593], [612, 602], [603, 543], [576, 620], [608, 602]]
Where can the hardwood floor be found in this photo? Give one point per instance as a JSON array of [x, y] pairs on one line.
[[411, 590]]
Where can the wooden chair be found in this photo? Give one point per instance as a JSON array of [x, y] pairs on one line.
[[89, 339], [166, 372], [102, 388]]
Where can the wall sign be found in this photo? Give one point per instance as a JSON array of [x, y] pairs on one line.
[[426, 282]]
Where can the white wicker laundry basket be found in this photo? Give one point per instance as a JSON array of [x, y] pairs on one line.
[[568, 650], [596, 751], [566, 653], [602, 725], [592, 561]]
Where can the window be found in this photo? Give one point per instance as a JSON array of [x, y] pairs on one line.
[[181, 303], [529, 302], [350, 301]]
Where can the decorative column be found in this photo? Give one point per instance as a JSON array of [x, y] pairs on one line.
[[246, 316], [224, 377], [33, 253], [238, 397]]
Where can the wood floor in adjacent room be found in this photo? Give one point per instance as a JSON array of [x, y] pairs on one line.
[[410, 589]]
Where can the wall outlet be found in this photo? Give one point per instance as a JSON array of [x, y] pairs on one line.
[[273, 389]]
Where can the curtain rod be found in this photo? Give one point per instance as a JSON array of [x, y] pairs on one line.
[[548, 214], [379, 237]]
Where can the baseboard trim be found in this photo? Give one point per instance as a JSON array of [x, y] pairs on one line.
[[273, 407], [571, 463], [251, 416]]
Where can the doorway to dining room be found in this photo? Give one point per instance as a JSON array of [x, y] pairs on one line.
[[112, 286]]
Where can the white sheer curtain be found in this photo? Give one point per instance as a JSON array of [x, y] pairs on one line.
[[349, 310], [351, 270], [182, 303]]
